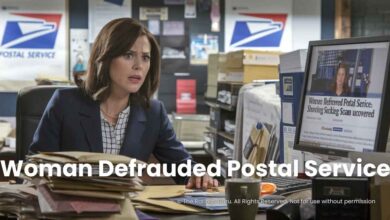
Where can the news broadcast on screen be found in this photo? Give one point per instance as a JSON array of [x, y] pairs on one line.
[[344, 96]]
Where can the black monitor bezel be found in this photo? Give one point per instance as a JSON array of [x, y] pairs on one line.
[[384, 113]]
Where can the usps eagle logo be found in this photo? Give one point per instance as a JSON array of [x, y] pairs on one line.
[[259, 30], [31, 31]]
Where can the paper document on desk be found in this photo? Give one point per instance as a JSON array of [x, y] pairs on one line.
[[209, 203], [162, 192], [82, 157], [55, 203], [127, 213], [152, 195], [74, 184], [169, 205], [205, 194], [92, 194], [155, 198], [169, 191], [18, 200], [84, 197], [156, 208]]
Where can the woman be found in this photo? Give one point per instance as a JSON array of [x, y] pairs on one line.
[[112, 111], [340, 83]]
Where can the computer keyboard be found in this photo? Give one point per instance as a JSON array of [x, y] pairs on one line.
[[286, 185]]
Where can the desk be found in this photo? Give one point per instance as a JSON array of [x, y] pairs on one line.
[[259, 216], [164, 216]]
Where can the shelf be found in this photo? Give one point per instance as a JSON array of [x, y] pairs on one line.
[[226, 135], [193, 145], [212, 104], [212, 154], [227, 107], [217, 156], [231, 83], [220, 105], [211, 129], [223, 159], [221, 112], [200, 152]]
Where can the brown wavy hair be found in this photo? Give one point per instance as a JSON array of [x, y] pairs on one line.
[[346, 88], [114, 40]]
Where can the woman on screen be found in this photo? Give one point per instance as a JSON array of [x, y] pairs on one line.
[[113, 111], [340, 82]]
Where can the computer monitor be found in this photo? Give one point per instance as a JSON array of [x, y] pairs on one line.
[[345, 97]]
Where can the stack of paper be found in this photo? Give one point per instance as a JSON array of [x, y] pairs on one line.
[[89, 195], [18, 200], [177, 199], [165, 199]]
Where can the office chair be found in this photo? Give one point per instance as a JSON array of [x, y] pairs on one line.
[[30, 105]]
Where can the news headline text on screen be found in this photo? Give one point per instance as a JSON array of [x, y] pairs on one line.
[[106, 168]]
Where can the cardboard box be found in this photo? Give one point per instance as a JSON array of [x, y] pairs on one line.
[[212, 69], [236, 59], [215, 65], [245, 66], [249, 73], [211, 91], [222, 62]]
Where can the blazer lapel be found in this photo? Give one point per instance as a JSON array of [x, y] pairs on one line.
[[135, 128], [90, 121]]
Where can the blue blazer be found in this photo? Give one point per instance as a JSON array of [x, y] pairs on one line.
[[71, 122]]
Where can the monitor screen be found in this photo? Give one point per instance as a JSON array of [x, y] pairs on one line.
[[344, 94]]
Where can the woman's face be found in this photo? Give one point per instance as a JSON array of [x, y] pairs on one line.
[[128, 72], [340, 78]]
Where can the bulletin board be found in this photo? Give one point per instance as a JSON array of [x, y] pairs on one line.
[[174, 36]]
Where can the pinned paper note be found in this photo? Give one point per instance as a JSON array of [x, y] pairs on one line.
[[287, 113]]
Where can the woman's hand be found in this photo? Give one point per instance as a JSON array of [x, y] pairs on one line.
[[204, 182]]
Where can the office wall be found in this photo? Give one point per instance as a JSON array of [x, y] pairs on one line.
[[78, 18], [370, 18], [327, 19], [305, 14]]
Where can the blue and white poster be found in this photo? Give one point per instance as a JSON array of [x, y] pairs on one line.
[[258, 30], [264, 25], [32, 42], [201, 46]]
